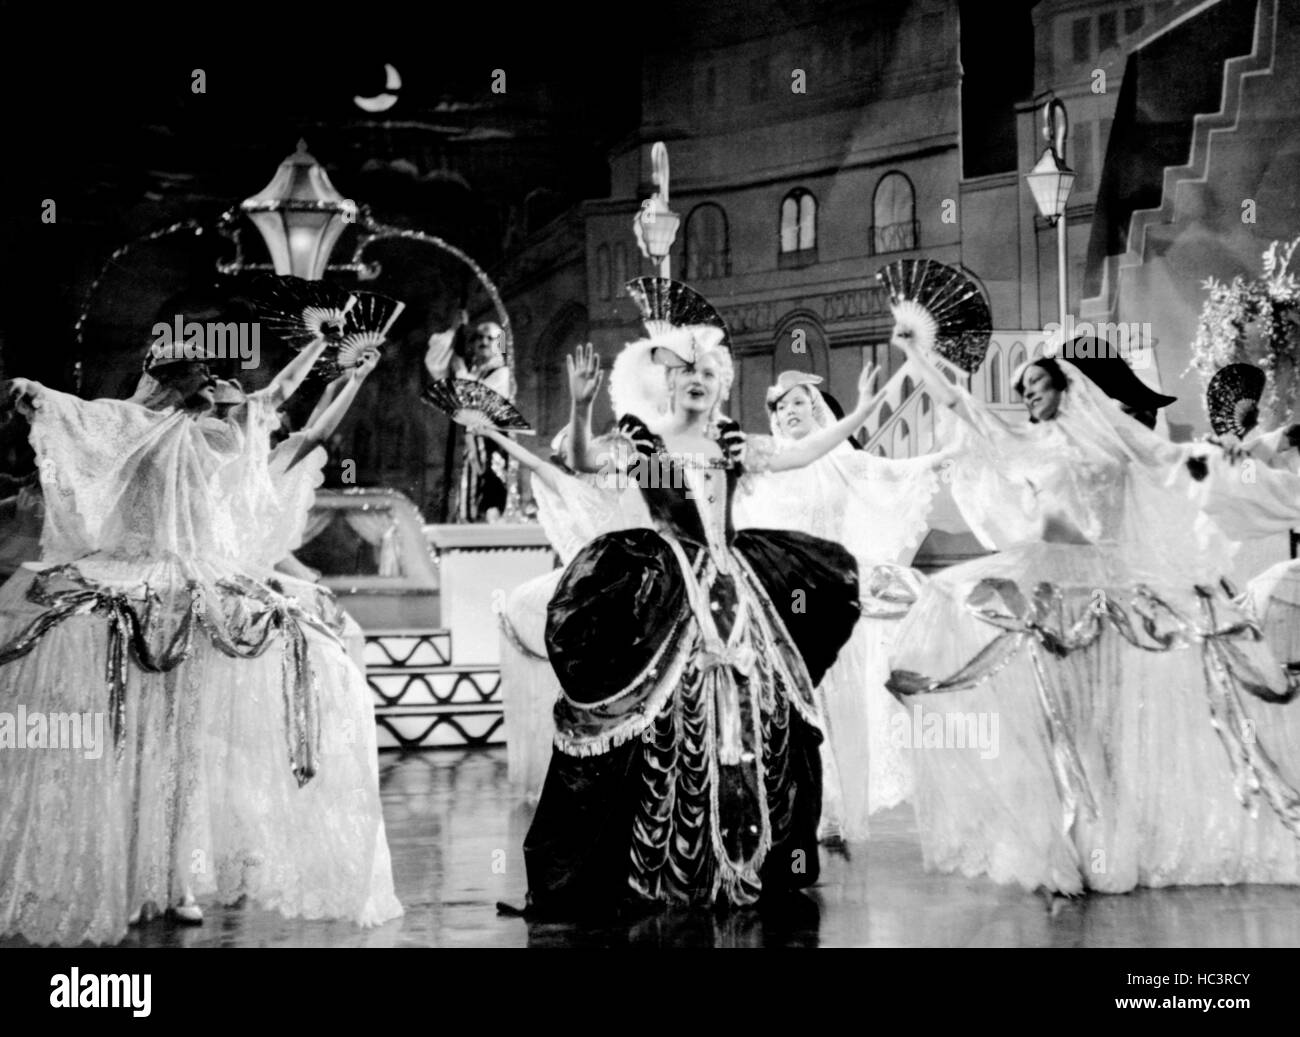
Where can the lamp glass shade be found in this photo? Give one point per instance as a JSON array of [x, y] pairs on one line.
[[655, 226], [300, 216], [1050, 182]]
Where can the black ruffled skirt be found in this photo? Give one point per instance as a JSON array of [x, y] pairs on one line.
[[686, 767]]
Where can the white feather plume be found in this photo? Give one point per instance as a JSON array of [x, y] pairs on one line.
[[637, 385], [910, 315]]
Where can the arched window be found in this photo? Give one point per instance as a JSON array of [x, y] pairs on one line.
[[902, 435], [1017, 358], [707, 248], [894, 227], [993, 367], [908, 386], [879, 451], [925, 403], [620, 266], [602, 273], [886, 412], [798, 221]]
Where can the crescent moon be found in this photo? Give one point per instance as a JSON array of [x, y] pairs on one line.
[[382, 102]]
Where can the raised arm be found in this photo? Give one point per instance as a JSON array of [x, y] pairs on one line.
[[585, 377], [319, 431], [811, 447], [292, 374], [328, 396], [1272, 447], [440, 358], [543, 470], [914, 338]]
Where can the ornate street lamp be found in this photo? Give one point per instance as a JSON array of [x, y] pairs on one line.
[[300, 216], [655, 224], [1050, 181]]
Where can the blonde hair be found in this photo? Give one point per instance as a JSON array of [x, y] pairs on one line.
[[726, 374]]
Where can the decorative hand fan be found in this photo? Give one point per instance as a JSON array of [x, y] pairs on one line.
[[368, 323], [301, 311], [945, 304], [1232, 399], [666, 304], [470, 403]]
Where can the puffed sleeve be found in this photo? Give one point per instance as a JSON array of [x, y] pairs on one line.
[[583, 507]]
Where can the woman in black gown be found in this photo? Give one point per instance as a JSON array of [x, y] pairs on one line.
[[686, 767]]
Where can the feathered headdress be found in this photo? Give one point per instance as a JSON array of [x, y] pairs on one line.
[[639, 380], [683, 326], [666, 304]]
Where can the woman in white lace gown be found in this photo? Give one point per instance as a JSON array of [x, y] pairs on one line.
[[1079, 687], [322, 850], [229, 763], [1259, 496], [295, 470], [877, 508]]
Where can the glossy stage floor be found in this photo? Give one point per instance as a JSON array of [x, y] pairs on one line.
[[456, 831]]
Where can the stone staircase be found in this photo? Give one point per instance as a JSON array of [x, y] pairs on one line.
[[1182, 185], [423, 700]]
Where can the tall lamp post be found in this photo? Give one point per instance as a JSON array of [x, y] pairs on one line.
[[1050, 181], [655, 224]]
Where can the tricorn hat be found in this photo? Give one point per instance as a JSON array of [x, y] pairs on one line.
[[1114, 376]]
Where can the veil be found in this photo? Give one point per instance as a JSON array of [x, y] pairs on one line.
[[1149, 511], [118, 477], [151, 393]]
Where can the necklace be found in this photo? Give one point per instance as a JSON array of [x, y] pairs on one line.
[[697, 463]]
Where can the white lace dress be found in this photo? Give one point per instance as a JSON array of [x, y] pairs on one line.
[[876, 508], [294, 493], [1090, 710], [1261, 498], [195, 783]]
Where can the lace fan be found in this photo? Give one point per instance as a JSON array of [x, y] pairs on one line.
[[666, 304], [301, 311], [471, 403], [1232, 399], [367, 326], [947, 301]]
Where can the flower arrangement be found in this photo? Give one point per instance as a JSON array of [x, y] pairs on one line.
[[1255, 322]]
